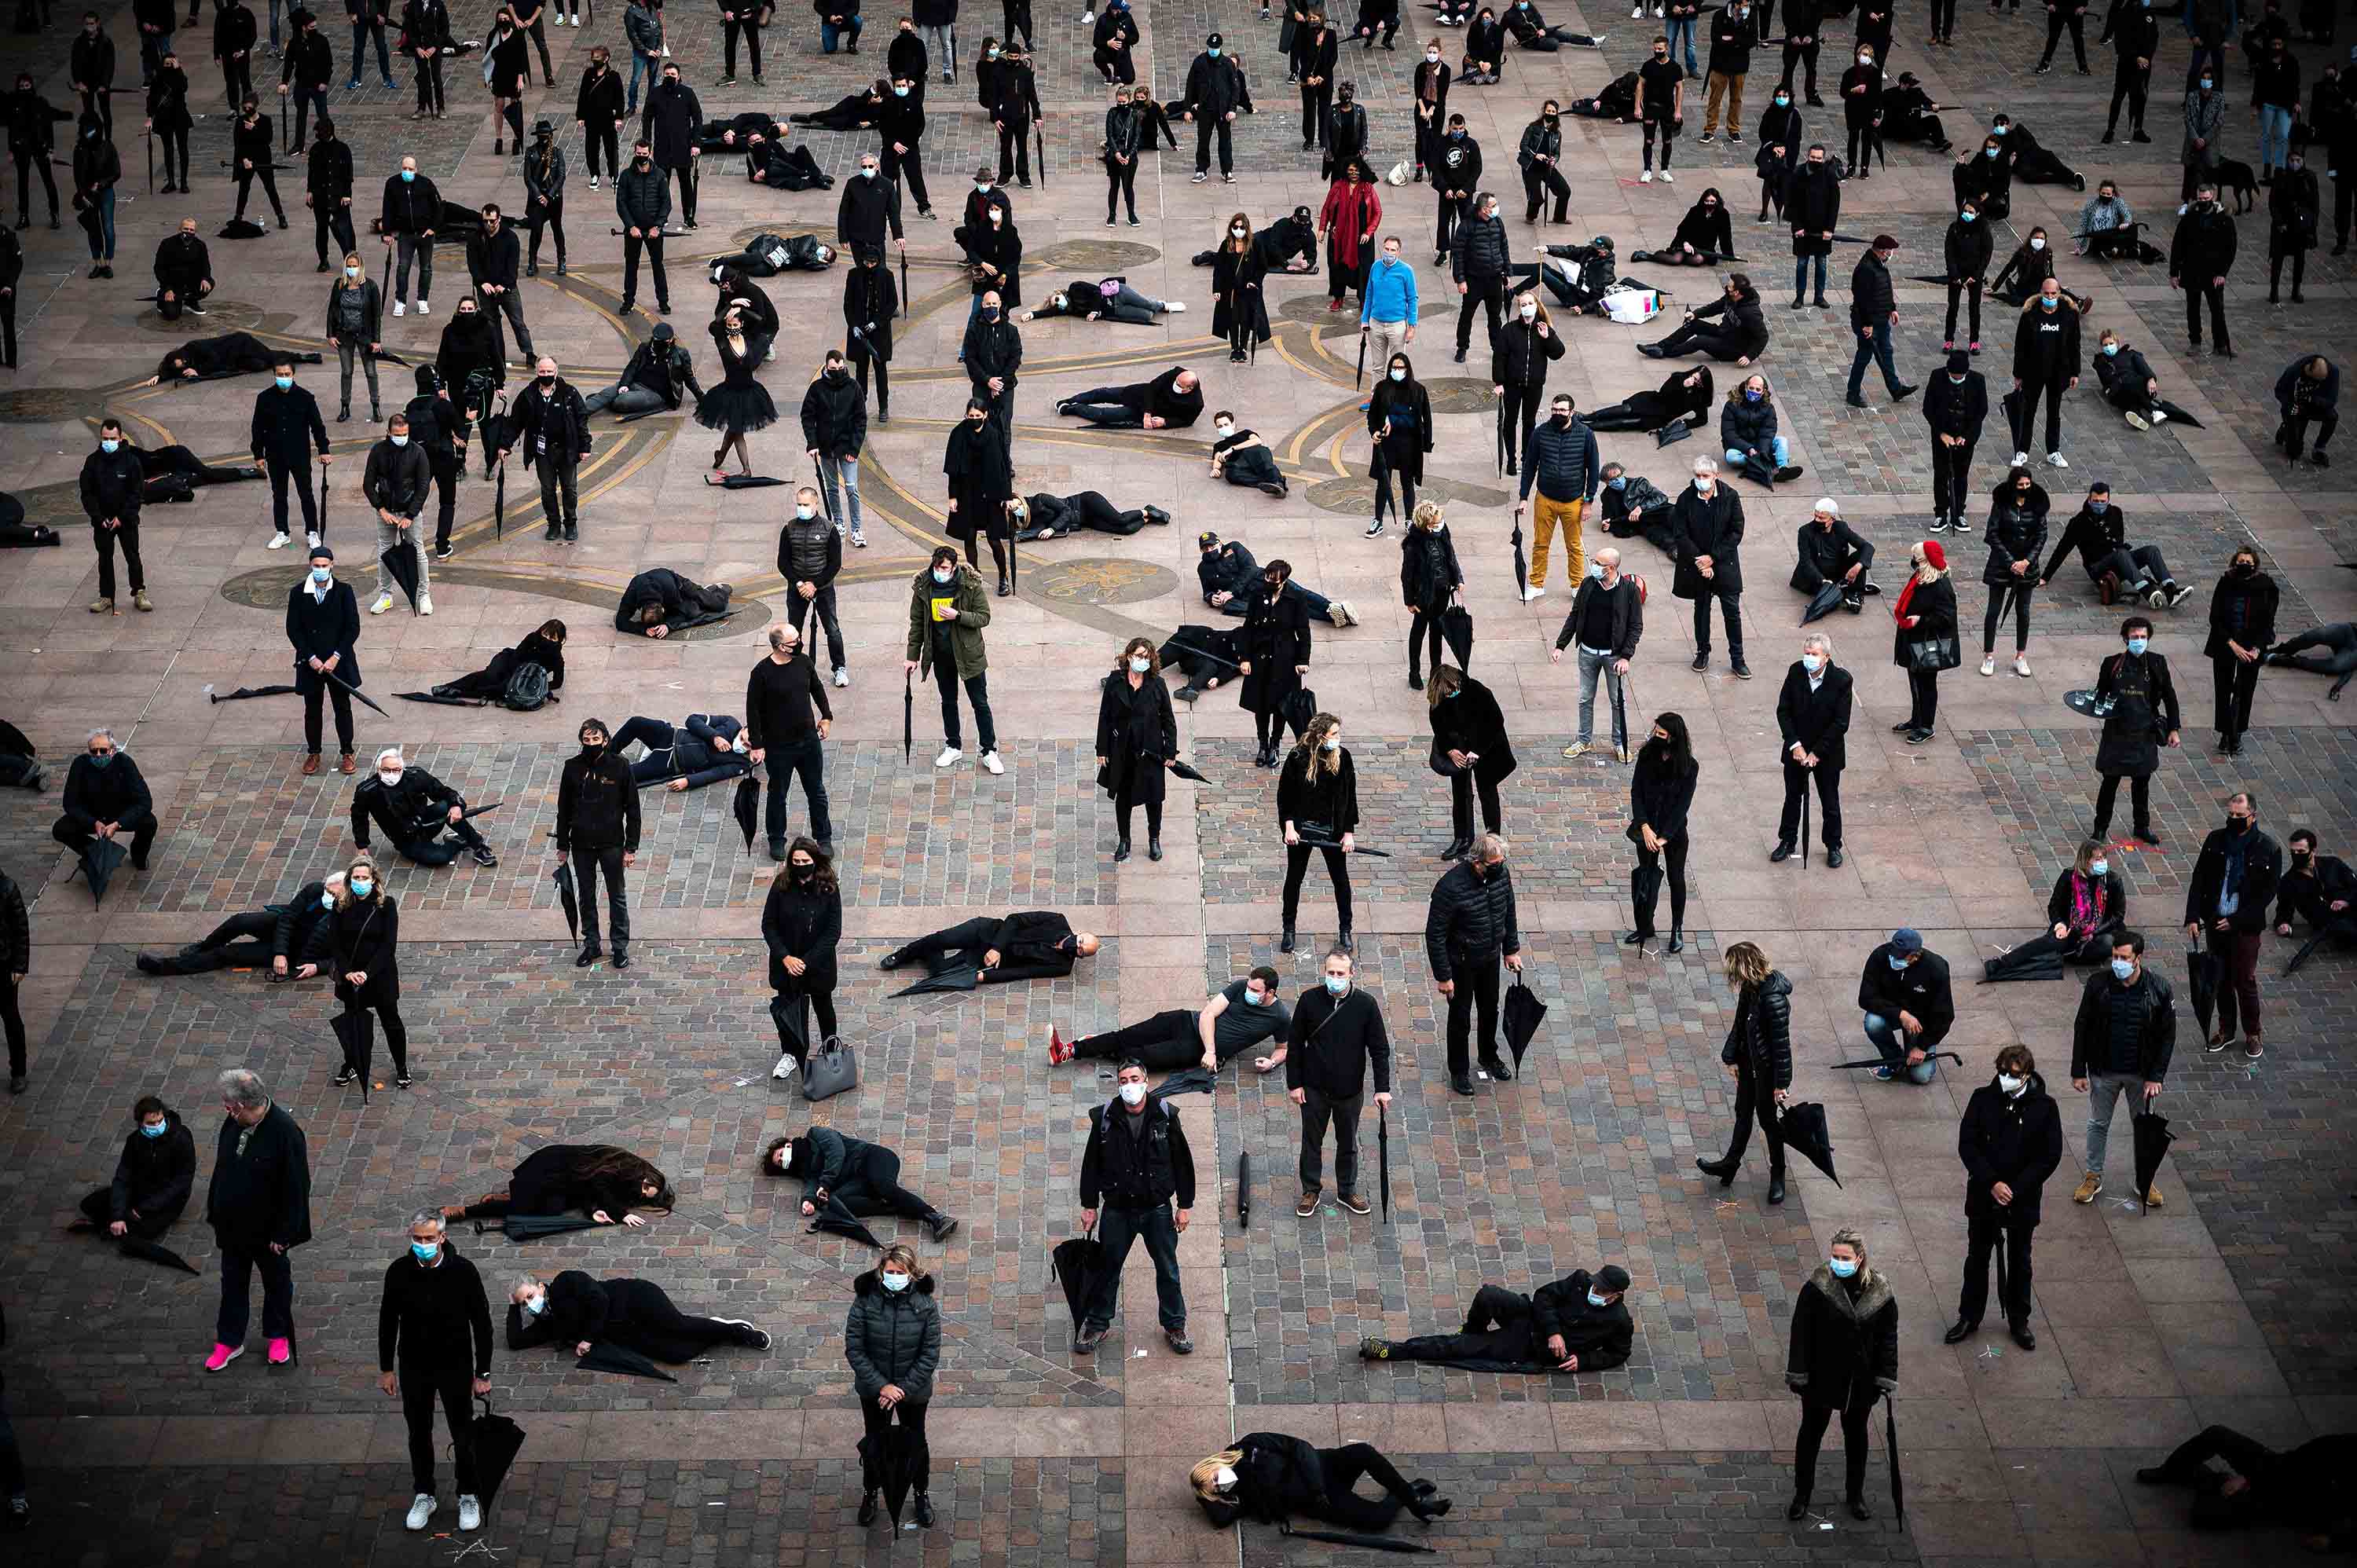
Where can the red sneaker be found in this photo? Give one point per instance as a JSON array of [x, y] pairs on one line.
[[1059, 1050], [281, 1352]]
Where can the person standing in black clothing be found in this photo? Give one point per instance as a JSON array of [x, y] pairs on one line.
[[2010, 1142], [1924, 641], [90, 65], [287, 429], [253, 151], [1708, 516], [2242, 629], [642, 201], [112, 487], [1966, 249], [1478, 261], [1456, 177], [1538, 154], [2226, 902], [1135, 1162], [435, 1327], [870, 301], [1660, 104], [1311, 63], [2046, 363], [1430, 582], [1318, 798], [304, 73], [669, 125], [328, 192], [780, 697], [1520, 353], [1337, 1034], [16, 961], [599, 108], [2142, 718], [2200, 254], [1661, 792], [168, 117], [1276, 636], [810, 548], [802, 921], [552, 423], [259, 1205], [441, 428], [1215, 92], [32, 139], [493, 255], [597, 814], [153, 1177], [1014, 109], [406, 218], [323, 621], [1845, 1356], [1468, 923], [1812, 714], [1472, 749], [2016, 537], [364, 933], [1137, 741], [2134, 32], [1955, 406], [893, 1341], [425, 33]]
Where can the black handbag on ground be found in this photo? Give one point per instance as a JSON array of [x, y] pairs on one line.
[[830, 1070], [1935, 654]]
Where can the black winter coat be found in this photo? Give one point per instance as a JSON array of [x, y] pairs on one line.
[[1659, 795], [2016, 1139], [1428, 570], [2091, 1029], [1822, 554], [321, 628], [1760, 1039], [1136, 733], [1469, 919], [1967, 250], [262, 1196], [1921, 988], [1520, 354], [893, 1337], [1405, 458], [1472, 721], [2110, 907], [805, 923], [597, 804], [1600, 1337], [416, 808], [2017, 532], [365, 934], [155, 1176], [2242, 609], [1951, 408], [1305, 792], [1276, 636], [835, 416], [1933, 608], [1842, 1343], [1712, 526], [1817, 720], [2262, 873], [2144, 712], [1813, 202], [115, 793]]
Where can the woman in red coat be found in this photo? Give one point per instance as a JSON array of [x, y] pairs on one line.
[[1349, 220]]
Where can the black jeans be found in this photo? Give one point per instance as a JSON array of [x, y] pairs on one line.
[[319, 690], [1951, 468], [2140, 794], [2025, 422], [142, 829], [594, 863], [2021, 594], [1539, 182], [2232, 683], [1341, 1468], [1749, 1109], [445, 490], [651, 243], [1461, 789], [1319, 1110], [1118, 1229], [1015, 152], [396, 1033], [2058, 19], [1206, 126], [1165, 1042], [1957, 291], [434, 850], [2296, 429], [821, 607], [911, 1416], [1476, 988], [1508, 1340], [176, 155], [977, 694], [333, 220], [1983, 1234], [606, 136], [1922, 701], [106, 540], [429, 85], [1674, 850], [804, 760], [861, 359], [2128, 82], [750, 23], [241, 941], [1522, 412], [26, 165], [2196, 291], [1338, 868], [560, 487], [1121, 185], [281, 475], [454, 1385], [1730, 612], [1486, 293], [1814, 1419], [11, 1019], [236, 1304]]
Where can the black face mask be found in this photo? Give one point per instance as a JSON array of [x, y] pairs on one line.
[[592, 749], [2302, 858]]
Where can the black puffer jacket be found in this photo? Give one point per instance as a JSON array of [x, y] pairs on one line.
[[1842, 1341], [2090, 1039], [1470, 917], [1761, 1033], [1479, 252], [1428, 568], [893, 1337], [2016, 532]]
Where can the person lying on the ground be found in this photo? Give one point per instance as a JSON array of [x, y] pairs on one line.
[[1204, 657], [852, 112], [173, 473], [1240, 457], [2321, 888], [660, 375], [863, 1177], [545, 647], [2339, 640], [659, 601], [286, 941], [152, 1176], [230, 354], [736, 134], [1242, 1015], [1110, 300], [575, 1313], [1230, 577], [1689, 395], [1635, 507], [706, 749], [1035, 944], [1172, 401], [413, 807], [603, 1181], [2306, 1489], [1270, 1476], [1578, 1324], [1045, 516]]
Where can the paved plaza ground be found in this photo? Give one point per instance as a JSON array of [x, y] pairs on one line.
[[2229, 1304]]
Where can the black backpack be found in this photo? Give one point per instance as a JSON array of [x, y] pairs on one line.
[[527, 688]]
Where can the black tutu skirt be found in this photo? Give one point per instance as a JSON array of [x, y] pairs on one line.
[[725, 408]]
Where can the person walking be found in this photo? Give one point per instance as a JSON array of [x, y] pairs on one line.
[[1812, 714], [2017, 541], [406, 217], [2143, 717], [2201, 256], [1759, 1054], [1909, 1006], [1317, 798], [2234, 881], [1135, 1164], [397, 483], [802, 922], [287, 429], [1137, 741], [1472, 749], [948, 607], [1709, 518], [1469, 924], [550, 421], [1924, 641], [1607, 619], [1275, 642], [892, 1340], [434, 1341], [1563, 464], [1873, 316], [322, 622], [2121, 1041], [1843, 1357], [364, 935], [1661, 792], [112, 487], [1337, 1036], [258, 1203], [1399, 429], [597, 816], [2010, 1142], [2242, 629]]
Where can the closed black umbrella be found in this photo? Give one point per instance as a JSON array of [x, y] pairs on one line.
[[496, 1441], [791, 1013], [747, 806], [836, 1219], [2177, 415], [1878, 1061], [1384, 1157], [1191, 1080], [1076, 1264], [1676, 430], [357, 1042], [2202, 971], [956, 977], [568, 899], [533, 1227], [1890, 1452], [2344, 929], [401, 563], [2152, 1140], [1456, 629], [1522, 562], [1186, 771], [1803, 1130], [1244, 1189], [99, 859], [149, 1252], [1355, 1538], [244, 691], [908, 714], [893, 1461], [323, 495], [1822, 603], [1523, 1014], [447, 702], [610, 1357], [355, 691]]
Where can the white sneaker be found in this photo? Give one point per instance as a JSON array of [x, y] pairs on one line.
[[425, 307], [841, 676], [2021, 665], [2019, 458], [1988, 665], [400, 307], [1646, 178], [277, 542], [858, 540], [1637, 10], [990, 760], [2056, 460], [1344, 613], [384, 603], [421, 1508], [1176, 307], [470, 1511], [1669, 179], [2137, 421], [785, 1067], [949, 756], [2161, 416], [593, 182], [312, 539], [1530, 592], [424, 604]]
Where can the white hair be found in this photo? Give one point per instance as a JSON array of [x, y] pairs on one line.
[[1705, 464], [101, 730], [1827, 503], [526, 1282], [428, 1217], [391, 751], [1821, 642], [1491, 847], [242, 1088]]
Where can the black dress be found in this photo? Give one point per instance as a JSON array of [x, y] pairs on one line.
[[980, 481], [738, 402], [1136, 733]]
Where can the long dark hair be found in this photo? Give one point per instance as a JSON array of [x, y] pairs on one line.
[[822, 877], [1681, 759], [607, 1163]]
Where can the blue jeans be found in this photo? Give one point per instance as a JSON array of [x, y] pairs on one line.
[[2274, 135], [1681, 27], [1801, 276], [828, 33], [362, 31], [1891, 1041], [1117, 1228], [1776, 448], [1877, 348], [648, 66], [105, 227]]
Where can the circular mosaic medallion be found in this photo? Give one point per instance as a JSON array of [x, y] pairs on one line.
[[1100, 581], [1309, 310], [1460, 395], [50, 405], [1354, 495], [1096, 258], [220, 315]]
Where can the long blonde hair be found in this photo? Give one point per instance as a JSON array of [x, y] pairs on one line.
[[1205, 1475], [346, 279], [1312, 748]]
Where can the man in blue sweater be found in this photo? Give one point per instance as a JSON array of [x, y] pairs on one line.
[[1387, 307]]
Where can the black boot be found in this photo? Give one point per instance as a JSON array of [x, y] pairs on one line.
[[1723, 1168], [1285, 942], [867, 1507], [925, 1512]]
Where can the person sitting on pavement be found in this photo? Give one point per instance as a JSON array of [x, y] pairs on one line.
[[2321, 888], [1243, 1013], [412, 806], [2098, 531], [1230, 577], [288, 941], [707, 748], [105, 797], [660, 375], [1634, 508], [1240, 457], [152, 1176], [1909, 1006], [1830, 551], [1578, 1324]]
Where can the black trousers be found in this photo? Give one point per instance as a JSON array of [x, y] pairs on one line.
[[2140, 795], [685, 173], [445, 485], [607, 862], [237, 1302], [560, 487], [331, 220], [143, 830], [1206, 126], [1462, 787], [657, 1328], [175, 141], [241, 941], [1957, 291], [908, 167], [1521, 412], [651, 244], [1454, 211], [1121, 185], [506, 313], [804, 760], [1497, 1327], [1539, 181], [1805, 55], [1730, 613], [2232, 686], [1951, 470], [1476, 989], [1814, 1419], [431, 850], [396, 1033], [862, 358], [911, 1416], [316, 690], [454, 1385], [429, 85], [2058, 19], [1485, 293], [749, 23], [818, 612], [2298, 256], [1674, 877], [281, 473], [2021, 593], [1338, 868], [1165, 1042], [546, 215], [245, 178], [1341, 1468], [821, 1007], [2198, 290], [24, 168], [1983, 1234], [2025, 418], [1125, 805], [1317, 112], [1922, 707], [606, 136], [1796, 785], [106, 540], [2129, 84], [12, 1021], [1318, 1112], [1015, 152]]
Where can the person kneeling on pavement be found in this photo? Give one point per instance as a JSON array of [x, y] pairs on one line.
[[413, 807], [1578, 1324], [288, 940], [1909, 1006]]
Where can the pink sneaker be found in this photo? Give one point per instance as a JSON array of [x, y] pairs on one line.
[[281, 1352], [222, 1356]]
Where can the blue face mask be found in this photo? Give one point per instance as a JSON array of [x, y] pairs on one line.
[[2122, 968], [1968, 217], [1596, 1300], [2098, 867], [2048, 301], [408, 176], [1988, 152], [1813, 662], [1214, 53], [320, 574], [894, 1282], [2111, 348], [1843, 1268], [107, 444], [1999, 130], [1619, 483], [425, 1250], [362, 887], [1750, 396], [2138, 644], [941, 576], [1336, 985], [1895, 961], [2099, 508], [284, 381], [154, 1129], [537, 1305]]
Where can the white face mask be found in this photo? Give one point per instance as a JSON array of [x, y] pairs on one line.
[[1224, 1478], [2038, 244], [2010, 1084], [1865, 60], [390, 776], [1133, 1094], [1432, 57], [351, 272], [1239, 232], [401, 441], [1141, 665]]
